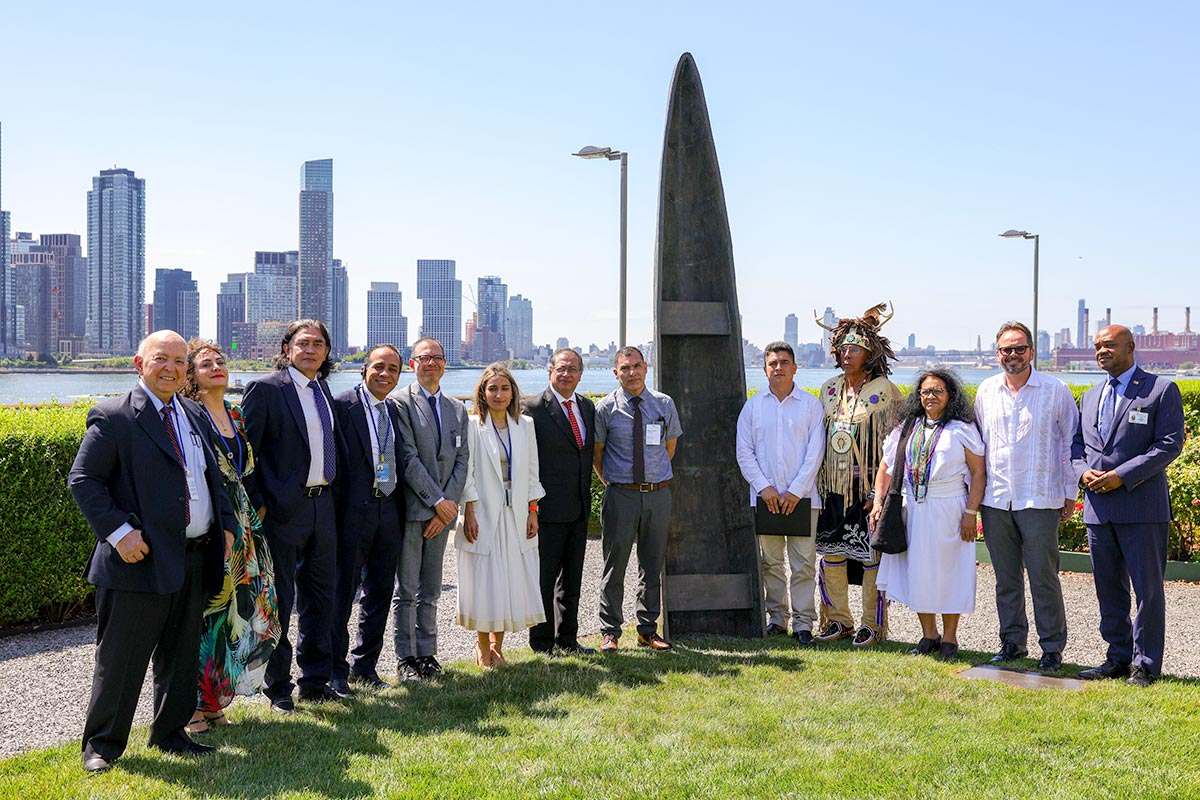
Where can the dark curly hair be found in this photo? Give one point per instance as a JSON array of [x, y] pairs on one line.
[[195, 347], [957, 405], [867, 326], [283, 362]]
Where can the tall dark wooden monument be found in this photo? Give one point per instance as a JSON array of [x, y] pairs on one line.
[[712, 582]]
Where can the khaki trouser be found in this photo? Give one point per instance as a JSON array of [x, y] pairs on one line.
[[800, 555], [835, 602]]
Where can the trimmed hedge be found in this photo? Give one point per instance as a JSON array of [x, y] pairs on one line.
[[45, 543]]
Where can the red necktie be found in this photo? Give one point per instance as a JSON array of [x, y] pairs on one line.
[[166, 414], [574, 424]]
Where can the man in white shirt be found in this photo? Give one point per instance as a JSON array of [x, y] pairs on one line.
[[780, 442], [1027, 421]]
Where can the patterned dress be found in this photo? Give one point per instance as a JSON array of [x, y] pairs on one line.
[[241, 623]]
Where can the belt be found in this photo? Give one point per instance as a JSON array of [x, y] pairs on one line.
[[643, 487], [379, 495], [197, 543], [315, 491]]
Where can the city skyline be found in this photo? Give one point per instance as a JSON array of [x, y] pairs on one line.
[[868, 154]]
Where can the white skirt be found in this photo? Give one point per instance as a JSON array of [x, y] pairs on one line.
[[936, 575], [500, 591]]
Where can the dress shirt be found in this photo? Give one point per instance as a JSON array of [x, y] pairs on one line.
[[312, 424], [781, 443], [614, 430], [1122, 384], [575, 412], [1027, 439], [200, 509], [371, 406], [438, 406]]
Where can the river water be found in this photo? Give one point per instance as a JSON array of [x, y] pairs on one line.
[[64, 387]]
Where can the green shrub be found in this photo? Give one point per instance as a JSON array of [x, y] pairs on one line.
[[45, 543]]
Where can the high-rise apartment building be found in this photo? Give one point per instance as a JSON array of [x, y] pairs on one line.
[[492, 296], [8, 306], [231, 308], [176, 302], [791, 331], [518, 327], [273, 262], [440, 294], [386, 323], [270, 298], [32, 270], [116, 262], [69, 286], [316, 239], [339, 309]]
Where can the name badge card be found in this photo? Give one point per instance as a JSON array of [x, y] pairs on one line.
[[193, 490], [654, 431], [383, 472], [1139, 417]]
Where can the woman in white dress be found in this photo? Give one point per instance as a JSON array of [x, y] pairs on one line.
[[498, 588], [944, 479]]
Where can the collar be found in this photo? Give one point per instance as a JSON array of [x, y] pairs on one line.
[[629, 398], [299, 377], [793, 394], [372, 400], [562, 399], [437, 394], [1124, 378], [158, 404]]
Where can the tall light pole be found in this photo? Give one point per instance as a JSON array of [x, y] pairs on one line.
[[614, 155], [1015, 234]]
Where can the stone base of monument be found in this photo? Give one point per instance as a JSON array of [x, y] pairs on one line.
[[1022, 679]]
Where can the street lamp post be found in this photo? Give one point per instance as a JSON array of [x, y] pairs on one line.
[[1015, 234], [614, 155]]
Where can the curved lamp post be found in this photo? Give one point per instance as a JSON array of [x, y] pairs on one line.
[[1015, 234], [617, 155]]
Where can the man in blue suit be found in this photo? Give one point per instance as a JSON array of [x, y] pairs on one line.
[[1131, 428]]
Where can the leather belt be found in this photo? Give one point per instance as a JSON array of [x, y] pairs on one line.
[[197, 543], [644, 487], [379, 495], [314, 491]]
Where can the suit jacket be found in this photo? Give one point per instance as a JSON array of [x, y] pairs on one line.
[[485, 482], [277, 432], [127, 471], [1138, 451], [356, 483], [566, 469], [430, 472]]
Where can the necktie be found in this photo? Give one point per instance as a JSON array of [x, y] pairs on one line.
[[387, 447], [433, 409], [574, 424], [639, 442], [169, 424], [1108, 407], [328, 446]]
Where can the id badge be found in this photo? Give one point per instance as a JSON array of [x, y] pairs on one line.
[[383, 472], [1139, 417], [457, 441], [193, 490], [654, 432]]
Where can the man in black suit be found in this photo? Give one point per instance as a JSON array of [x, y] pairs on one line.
[[290, 426], [564, 423], [149, 486], [370, 517]]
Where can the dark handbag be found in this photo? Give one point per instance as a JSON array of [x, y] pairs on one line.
[[891, 534]]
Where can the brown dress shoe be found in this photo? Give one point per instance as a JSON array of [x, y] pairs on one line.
[[609, 643], [653, 641]]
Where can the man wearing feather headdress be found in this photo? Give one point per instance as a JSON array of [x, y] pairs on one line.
[[857, 406]]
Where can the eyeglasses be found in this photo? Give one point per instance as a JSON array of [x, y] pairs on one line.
[[426, 359], [1015, 350], [932, 392], [566, 370]]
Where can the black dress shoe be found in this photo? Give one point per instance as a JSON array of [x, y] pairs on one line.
[[318, 694], [1106, 671], [804, 638], [283, 705], [429, 666], [776, 630], [341, 688], [96, 764], [1009, 652], [371, 680], [948, 651], [1140, 677], [575, 649], [926, 646], [407, 669], [180, 744], [1050, 662]]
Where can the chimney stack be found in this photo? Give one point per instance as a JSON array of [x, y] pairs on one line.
[[1187, 319], [1154, 326], [1107, 317]]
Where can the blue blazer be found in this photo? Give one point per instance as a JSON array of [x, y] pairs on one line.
[[1138, 451]]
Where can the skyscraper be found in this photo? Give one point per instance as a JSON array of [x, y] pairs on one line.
[[8, 306], [273, 262], [440, 294], [176, 302], [316, 239], [270, 298], [518, 327], [231, 308], [791, 330], [32, 271], [493, 307], [1081, 334], [69, 285], [386, 323], [116, 262], [339, 309]]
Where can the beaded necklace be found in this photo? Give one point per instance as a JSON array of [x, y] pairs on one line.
[[920, 456]]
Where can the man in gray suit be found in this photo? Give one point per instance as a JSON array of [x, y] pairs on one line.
[[433, 432]]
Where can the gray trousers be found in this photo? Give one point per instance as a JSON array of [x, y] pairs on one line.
[[627, 517], [418, 587], [1026, 541]]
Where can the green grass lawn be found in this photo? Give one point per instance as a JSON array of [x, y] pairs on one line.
[[716, 718]]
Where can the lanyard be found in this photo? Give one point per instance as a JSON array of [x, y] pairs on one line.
[[383, 443], [239, 462], [508, 449]]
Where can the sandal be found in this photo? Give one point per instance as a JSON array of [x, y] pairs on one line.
[[926, 646], [217, 720], [497, 658], [483, 658], [197, 726]]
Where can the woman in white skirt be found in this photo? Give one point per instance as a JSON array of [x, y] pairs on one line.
[[944, 479], [498, 588]]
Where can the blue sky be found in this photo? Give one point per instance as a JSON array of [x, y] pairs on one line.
[[869, 152]]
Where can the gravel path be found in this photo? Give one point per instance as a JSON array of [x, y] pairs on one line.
[[45, 678]]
